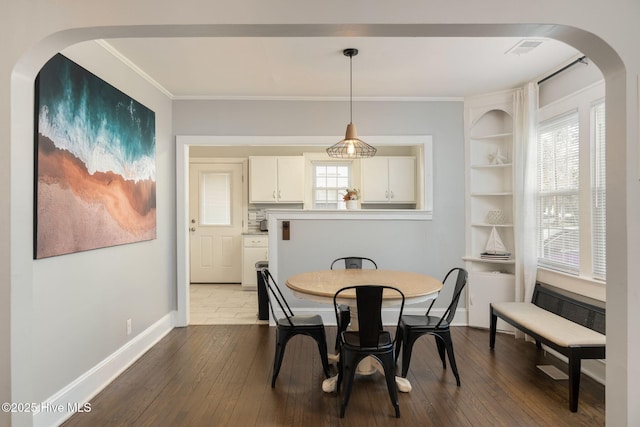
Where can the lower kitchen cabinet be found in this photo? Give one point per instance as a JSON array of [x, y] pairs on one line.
[[254, 248]]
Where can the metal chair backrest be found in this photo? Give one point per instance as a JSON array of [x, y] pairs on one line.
[[369, 301], [354, 262], [274, 293], [461, 282]]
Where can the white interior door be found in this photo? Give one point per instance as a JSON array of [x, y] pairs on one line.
[[215, 224]]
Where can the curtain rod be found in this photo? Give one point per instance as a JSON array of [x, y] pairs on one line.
[[583, 60]]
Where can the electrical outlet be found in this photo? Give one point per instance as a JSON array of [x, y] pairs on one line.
[[128, 326]]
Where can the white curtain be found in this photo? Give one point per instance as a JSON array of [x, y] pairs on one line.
[[525, 197]]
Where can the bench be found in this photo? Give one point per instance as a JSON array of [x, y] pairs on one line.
[[569, 323]]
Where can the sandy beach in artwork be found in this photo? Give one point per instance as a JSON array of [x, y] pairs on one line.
[[79, 211]]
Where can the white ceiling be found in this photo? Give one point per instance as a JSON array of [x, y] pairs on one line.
[[314, 67]]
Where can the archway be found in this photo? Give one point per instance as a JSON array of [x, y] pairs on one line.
[[21, 130]]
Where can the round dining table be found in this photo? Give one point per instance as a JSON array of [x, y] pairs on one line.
[[321, 286]]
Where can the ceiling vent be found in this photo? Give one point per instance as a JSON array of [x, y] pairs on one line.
[[524, 46]]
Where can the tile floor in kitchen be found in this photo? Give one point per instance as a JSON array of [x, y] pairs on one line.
[[223, 304]]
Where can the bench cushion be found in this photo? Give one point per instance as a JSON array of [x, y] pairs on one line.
[[548, 325]]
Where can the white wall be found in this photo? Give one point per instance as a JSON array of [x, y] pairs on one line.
[[573, 79], [31, 32]]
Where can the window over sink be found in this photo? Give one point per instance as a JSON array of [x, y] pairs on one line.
[[330, 181]]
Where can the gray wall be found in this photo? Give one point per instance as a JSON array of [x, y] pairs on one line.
[[80, 302], [405, 245], [442, 119]]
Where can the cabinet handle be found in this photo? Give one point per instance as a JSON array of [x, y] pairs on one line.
[[192, 229], [386, 194], [274, 194], [279, 195], [392, 194]]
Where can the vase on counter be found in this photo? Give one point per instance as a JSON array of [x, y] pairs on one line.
[[352, 204]]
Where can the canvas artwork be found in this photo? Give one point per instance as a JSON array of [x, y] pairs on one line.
[[95, 163]]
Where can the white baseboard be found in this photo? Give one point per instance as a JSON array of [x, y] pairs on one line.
[[73, 397]]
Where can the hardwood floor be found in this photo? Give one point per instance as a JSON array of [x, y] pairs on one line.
[[221, 376]]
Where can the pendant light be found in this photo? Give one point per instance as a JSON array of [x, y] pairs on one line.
[[351, 146]]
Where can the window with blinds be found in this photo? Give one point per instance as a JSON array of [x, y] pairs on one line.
[[215, 196], [598, 191], [330, 182], [558, 193]]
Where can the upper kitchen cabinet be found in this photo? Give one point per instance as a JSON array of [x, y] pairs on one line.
[[389, 180], [275, 179]]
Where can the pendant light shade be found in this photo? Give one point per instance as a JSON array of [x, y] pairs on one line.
[[351, 146]]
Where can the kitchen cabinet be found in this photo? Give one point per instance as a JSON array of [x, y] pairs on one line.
[[389, 180], [275, 179], [254, 249], [489, 188]]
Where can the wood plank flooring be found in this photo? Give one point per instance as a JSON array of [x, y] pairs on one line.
[[221, 376]]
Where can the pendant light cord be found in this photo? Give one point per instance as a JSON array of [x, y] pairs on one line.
[[350, 88]]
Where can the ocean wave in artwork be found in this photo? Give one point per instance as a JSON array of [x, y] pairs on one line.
[[95, 163], [103, 127]]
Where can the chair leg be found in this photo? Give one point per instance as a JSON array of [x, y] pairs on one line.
[[350, 362], [441, 351], [281, 343], [446, 337], [407, 348], [344, 320], [399, 342], [388, 363], [321, 339]]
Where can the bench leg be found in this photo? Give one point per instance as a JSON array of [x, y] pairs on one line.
[[574, 381], [492, 331]]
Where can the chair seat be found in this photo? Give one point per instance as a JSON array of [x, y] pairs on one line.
[[352, 338], [298, 321], [427, 322]]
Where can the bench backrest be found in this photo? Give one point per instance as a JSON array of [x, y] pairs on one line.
[[582, 310]]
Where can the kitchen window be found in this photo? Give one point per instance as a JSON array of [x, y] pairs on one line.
[[330, 181], [571, 188]]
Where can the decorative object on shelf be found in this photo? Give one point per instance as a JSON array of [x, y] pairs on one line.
[[497, 158], [495, 217], [351, 146], [495, 248], [350, 197]]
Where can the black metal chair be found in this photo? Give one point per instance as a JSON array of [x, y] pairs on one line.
[[345, 314], [353, 262], [369, 340], [291, 325], [413, 327]]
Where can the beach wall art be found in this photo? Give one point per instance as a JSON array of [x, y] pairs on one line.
[[95, 171]]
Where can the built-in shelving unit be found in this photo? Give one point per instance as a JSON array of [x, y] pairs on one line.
[[489, 147]]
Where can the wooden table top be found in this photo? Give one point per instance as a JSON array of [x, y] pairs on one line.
[[325, 283]]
